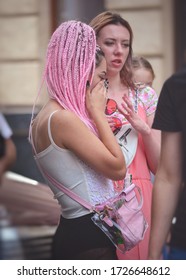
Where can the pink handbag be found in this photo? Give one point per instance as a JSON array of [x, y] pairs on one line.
[[120, 218]]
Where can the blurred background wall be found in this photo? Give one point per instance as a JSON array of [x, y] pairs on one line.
[[25, 28]]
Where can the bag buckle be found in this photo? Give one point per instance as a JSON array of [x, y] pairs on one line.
[[107, 207]]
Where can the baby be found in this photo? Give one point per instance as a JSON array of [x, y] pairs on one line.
[[143, 73]]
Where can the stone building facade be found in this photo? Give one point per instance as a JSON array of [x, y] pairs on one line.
[[25, 28]]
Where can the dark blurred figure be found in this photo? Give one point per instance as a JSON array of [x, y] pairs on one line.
[[169, 193], [7, 147], [7, 159]]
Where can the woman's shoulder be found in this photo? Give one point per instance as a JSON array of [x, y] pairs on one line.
[[54, 113], [65, 117]]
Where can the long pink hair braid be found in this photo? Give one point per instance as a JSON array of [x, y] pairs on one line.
[[70, 64]]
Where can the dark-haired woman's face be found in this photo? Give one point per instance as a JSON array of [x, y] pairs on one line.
[[114, 40]]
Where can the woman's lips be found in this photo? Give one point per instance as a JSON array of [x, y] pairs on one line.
[[117, 62]]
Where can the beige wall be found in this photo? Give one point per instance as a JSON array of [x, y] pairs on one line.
[[152, 24], [24, 33]]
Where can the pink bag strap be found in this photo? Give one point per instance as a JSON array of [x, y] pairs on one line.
[[129, 193], [68, 192]]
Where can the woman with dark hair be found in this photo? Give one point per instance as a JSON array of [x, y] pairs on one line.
[[130, 112]]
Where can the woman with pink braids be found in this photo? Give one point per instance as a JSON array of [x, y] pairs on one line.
[[73, 142]]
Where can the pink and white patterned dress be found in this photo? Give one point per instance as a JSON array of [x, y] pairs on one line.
[[147, 102]]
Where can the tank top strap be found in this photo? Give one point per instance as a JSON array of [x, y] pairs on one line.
[[30, 137], [49, 128]]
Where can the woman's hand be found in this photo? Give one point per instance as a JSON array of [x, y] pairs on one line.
[[111, 122], [96, 99], [127, 110]]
